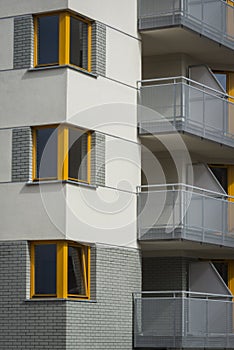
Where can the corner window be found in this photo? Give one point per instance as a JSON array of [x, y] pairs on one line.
[[60, 270], [61, 153], [62, 39]]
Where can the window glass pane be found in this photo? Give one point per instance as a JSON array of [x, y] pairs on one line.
[[222, 268], [221, 176], [47, 145], [78, 43], [77, 155], [222, 79], [75, 271], [45, 269], [48, 39]]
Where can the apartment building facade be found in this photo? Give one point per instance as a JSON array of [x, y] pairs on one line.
[[116, 174]]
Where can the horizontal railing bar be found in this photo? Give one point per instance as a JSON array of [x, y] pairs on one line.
[[223, 94], [182, 185], [184, 292]]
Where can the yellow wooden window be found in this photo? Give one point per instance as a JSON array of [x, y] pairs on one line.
[[60, 269], [62, 39], [61, 152]]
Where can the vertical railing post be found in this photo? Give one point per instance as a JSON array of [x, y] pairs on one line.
[[183, 318], [181, 6], [138, 213], [202, 15], [227, 323], [173, 211], [225, 117], [224, 219], [181, 209], [174, 296], [174, 102], [184, 101], [173, 12], [223, 21], [207, 322], [204, 111], [203, 218], [139, 107]]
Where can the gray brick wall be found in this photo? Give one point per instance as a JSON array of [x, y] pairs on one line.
[[26, 325], [21, 154], [107, 324], [166, 273], [23, 42], [98, 156], [69, 325], [99, 48]]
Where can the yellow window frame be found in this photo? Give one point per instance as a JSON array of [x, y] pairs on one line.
[[61, 270], [62, 153], [63, 40]]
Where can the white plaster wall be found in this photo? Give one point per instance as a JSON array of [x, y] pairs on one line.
[[119, 14], [32, 212], [32, 98], [15, 7], [123, 164], [101, 104], [5, 155], [123, 58], [171, 65], [102, 215], [58, 211], [161, 168], [6, 43]]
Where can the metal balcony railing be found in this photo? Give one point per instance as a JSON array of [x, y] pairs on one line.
[[181, 104], [211, 18], [180, 319], [179, 211]]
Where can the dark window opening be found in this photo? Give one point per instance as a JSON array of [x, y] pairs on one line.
[[47, 145], [78, 43], [221, 175], [45, 269], [48, 40], [76, 283]]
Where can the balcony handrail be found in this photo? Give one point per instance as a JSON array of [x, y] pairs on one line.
[[183, 185], [181, 9], [175, 79], [181, 293]]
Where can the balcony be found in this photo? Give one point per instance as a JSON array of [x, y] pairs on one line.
[[178, 211], [180, 104], [180, 319], [212, 18]]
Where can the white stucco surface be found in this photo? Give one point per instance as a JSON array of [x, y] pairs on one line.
[[5, 154], [119, 14], [6, 43], [32, 98]]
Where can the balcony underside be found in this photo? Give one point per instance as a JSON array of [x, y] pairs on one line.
[[213, 152], [179, 39]]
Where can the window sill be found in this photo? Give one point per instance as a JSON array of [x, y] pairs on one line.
[[60, 300], [36, 69], [49, 182]]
